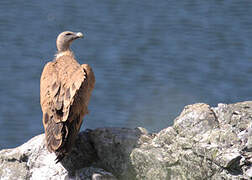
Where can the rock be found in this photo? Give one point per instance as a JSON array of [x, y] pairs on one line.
[[107, 148], [94, 174], [203, 143]]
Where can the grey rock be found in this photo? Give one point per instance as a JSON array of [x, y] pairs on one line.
[[95, 151], [204, 143]]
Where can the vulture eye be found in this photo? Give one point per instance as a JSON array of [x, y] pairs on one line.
[[67, 34]]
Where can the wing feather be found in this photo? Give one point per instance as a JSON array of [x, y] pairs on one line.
[[59, 84], [72, 76]]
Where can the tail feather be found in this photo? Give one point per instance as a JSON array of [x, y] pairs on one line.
[[59, 157]]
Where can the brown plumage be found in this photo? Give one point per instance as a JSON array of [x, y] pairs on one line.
[[65, 89]]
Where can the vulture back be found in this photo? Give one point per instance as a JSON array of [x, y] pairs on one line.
[[65, 90]]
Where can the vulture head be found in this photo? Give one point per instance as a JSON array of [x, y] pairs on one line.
[[65, 39]]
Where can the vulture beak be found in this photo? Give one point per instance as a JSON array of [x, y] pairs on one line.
[[79, 35]]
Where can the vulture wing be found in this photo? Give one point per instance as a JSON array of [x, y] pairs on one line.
[[59, 85]]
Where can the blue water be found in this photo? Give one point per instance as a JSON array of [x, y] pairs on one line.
[[150, 58]]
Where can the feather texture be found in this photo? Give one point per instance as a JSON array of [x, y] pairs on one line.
[[65, 90]]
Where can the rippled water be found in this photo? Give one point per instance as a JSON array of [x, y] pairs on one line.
[[150, 59]]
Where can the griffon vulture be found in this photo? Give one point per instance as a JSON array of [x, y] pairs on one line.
[[65, 90]]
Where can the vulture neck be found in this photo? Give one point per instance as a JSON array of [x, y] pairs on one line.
[[64, 53]]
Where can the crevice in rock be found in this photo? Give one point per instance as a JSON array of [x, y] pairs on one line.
[[23, 158], [215, 117], [234, 167], [204, 157]]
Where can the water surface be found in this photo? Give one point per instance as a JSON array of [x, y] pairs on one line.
[[150, 59]]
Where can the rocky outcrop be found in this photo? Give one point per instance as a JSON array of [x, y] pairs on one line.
[[203, 143]]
